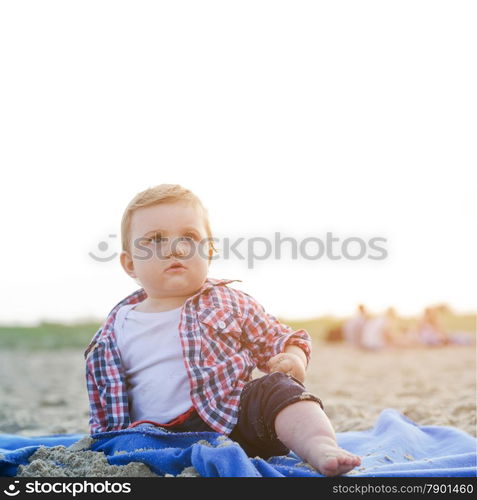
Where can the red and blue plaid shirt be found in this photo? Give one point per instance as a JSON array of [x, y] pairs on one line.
[[224, 333]]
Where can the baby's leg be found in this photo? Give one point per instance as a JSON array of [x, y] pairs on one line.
[[304, 428]]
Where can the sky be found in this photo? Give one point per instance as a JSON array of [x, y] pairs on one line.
[[298, 118]]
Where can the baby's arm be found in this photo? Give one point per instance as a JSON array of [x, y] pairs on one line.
[[292, 362], [97, 416], [97, 421], [274, 346], [297, 351]]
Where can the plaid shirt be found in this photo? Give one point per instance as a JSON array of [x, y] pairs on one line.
[[224, 334]]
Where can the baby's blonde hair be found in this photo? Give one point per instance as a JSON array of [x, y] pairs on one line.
[[163, 193]]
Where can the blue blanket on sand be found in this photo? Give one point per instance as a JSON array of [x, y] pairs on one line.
[[396, 446]]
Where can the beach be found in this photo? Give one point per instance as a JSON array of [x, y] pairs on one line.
[[44, 392]]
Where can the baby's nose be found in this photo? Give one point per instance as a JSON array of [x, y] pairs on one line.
[[176, 247]]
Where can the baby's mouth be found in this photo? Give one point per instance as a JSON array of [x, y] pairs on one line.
[[176, 266]]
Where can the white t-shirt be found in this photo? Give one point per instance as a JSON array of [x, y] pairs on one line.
[[151, 352]]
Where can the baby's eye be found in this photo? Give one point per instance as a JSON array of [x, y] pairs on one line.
[[158, 238], [189, 237]]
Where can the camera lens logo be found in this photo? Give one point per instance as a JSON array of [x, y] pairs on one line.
[[103, 247], [12, 491]]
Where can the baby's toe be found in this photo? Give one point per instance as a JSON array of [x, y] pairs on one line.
[[350, 458]]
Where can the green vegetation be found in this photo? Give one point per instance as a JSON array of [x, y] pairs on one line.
[[58, 335], [316, 327], [462, 322], [319, 328], [47, 336]]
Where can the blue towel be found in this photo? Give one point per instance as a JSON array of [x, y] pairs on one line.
[[396, 446]]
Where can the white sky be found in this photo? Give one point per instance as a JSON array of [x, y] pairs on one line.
[[356, 118]]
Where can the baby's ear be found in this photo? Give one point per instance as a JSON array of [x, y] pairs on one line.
[[127, 263]]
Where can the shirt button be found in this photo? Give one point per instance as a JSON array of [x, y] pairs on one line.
[[221, 325]]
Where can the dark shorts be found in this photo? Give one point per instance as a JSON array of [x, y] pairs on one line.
[[260, 402]]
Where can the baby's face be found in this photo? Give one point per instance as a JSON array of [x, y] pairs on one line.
[[161, 235]]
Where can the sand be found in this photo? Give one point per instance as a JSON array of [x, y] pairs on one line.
[[58, 461], [44, 393], [431, 386]]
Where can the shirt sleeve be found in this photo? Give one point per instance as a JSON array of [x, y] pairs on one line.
[[265, 336], [97, 414]]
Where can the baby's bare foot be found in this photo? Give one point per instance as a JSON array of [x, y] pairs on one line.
[[329, 459]]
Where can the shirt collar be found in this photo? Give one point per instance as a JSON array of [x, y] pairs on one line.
[[138, 296], [211, 282]]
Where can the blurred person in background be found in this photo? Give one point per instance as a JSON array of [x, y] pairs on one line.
[[353, 327], [429, 330]]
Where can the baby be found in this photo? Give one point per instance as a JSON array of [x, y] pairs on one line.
[[179, 352]]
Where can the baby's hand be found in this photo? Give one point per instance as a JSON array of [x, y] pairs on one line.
[[288, 363]]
